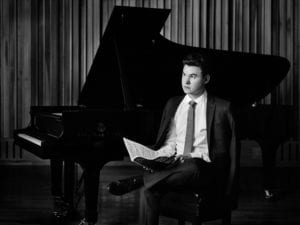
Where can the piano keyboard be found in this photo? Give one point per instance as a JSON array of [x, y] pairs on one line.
[[31, 139]]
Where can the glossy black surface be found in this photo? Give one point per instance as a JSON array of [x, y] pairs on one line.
[[136, 66]]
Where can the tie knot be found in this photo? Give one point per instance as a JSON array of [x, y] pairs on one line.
[[192, 103]]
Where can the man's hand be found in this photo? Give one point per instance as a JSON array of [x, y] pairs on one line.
[[181, 158], [166, 151]]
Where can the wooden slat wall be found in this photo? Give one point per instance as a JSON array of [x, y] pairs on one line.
[[47, 46]]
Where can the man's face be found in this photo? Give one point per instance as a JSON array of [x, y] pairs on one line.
[[192, 81]]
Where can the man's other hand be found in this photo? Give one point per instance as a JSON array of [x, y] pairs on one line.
[[181, 158]]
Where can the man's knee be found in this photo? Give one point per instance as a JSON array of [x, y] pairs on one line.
[[186, 174], [152, 192], [190, 166]]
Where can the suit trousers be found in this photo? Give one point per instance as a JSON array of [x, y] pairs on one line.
[[193, 174]]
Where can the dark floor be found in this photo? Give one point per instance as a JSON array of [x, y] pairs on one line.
[[25, 198]]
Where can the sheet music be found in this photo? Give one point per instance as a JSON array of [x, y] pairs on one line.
[[138, 150]]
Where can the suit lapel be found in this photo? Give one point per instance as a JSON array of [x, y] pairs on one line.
[[210, 112]]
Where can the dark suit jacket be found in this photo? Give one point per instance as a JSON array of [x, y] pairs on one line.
[[221, 135]]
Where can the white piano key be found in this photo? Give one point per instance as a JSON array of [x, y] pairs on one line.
[[57, 114], [31, 139]]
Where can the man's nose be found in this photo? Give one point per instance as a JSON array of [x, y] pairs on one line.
[[187, 80]]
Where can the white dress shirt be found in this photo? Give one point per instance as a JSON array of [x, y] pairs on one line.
[[176, 136]]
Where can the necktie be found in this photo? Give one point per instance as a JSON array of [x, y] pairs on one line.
[[189, 136]]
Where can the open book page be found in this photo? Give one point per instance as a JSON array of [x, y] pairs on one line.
[[147, 157], [138, 150]]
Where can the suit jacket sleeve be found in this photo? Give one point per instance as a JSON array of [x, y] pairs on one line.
[[233, 155]]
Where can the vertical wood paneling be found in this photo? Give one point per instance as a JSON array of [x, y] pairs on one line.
[[89, 33], [105, 14], [224, 26], [83, 14], [174, 20], [14, 67], [153, 4], [53, 51], [253, 26], [68, 52], [61, 52], [289, 51], [218, 24], [211, 24], [168, 24], [47, 46], [196, 23], [188, 24], [8, 65], [268, 33], [181, 22], [75, 51], [35, 54], [42, 89], [283, 43], [96, 25], [268, 26], [246, 24], [1, 70], [239, 25], [296, 64], [203, 30], [23, 101], [233, 24], [46, 54]]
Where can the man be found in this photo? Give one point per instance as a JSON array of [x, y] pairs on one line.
[[200, 129]]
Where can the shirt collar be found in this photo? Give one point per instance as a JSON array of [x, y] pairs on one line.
[[201, 98]]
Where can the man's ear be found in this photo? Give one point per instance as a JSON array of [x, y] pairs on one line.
[[206, 78]]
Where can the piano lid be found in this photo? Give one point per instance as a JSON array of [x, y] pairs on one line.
[[137, 67]]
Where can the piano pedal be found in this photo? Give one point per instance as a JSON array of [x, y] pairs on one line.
[[269, 195], [84, 222]]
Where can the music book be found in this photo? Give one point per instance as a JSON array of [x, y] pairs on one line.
[[148, 158]]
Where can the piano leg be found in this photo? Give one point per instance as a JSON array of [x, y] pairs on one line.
[[69, 178], [56, 167], [63, 195], [269, 149], [91, 172]]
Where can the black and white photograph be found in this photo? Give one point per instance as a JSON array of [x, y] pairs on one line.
[[149, 112]]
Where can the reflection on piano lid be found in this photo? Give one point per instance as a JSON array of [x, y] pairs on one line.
[[30, 139]]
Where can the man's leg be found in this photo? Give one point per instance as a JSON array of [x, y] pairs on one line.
[[193, 174], [178, 175], [152, 199]]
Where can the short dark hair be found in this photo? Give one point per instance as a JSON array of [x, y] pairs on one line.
[[196, 59]]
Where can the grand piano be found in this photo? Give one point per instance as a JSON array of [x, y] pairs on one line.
[[133, 74]]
